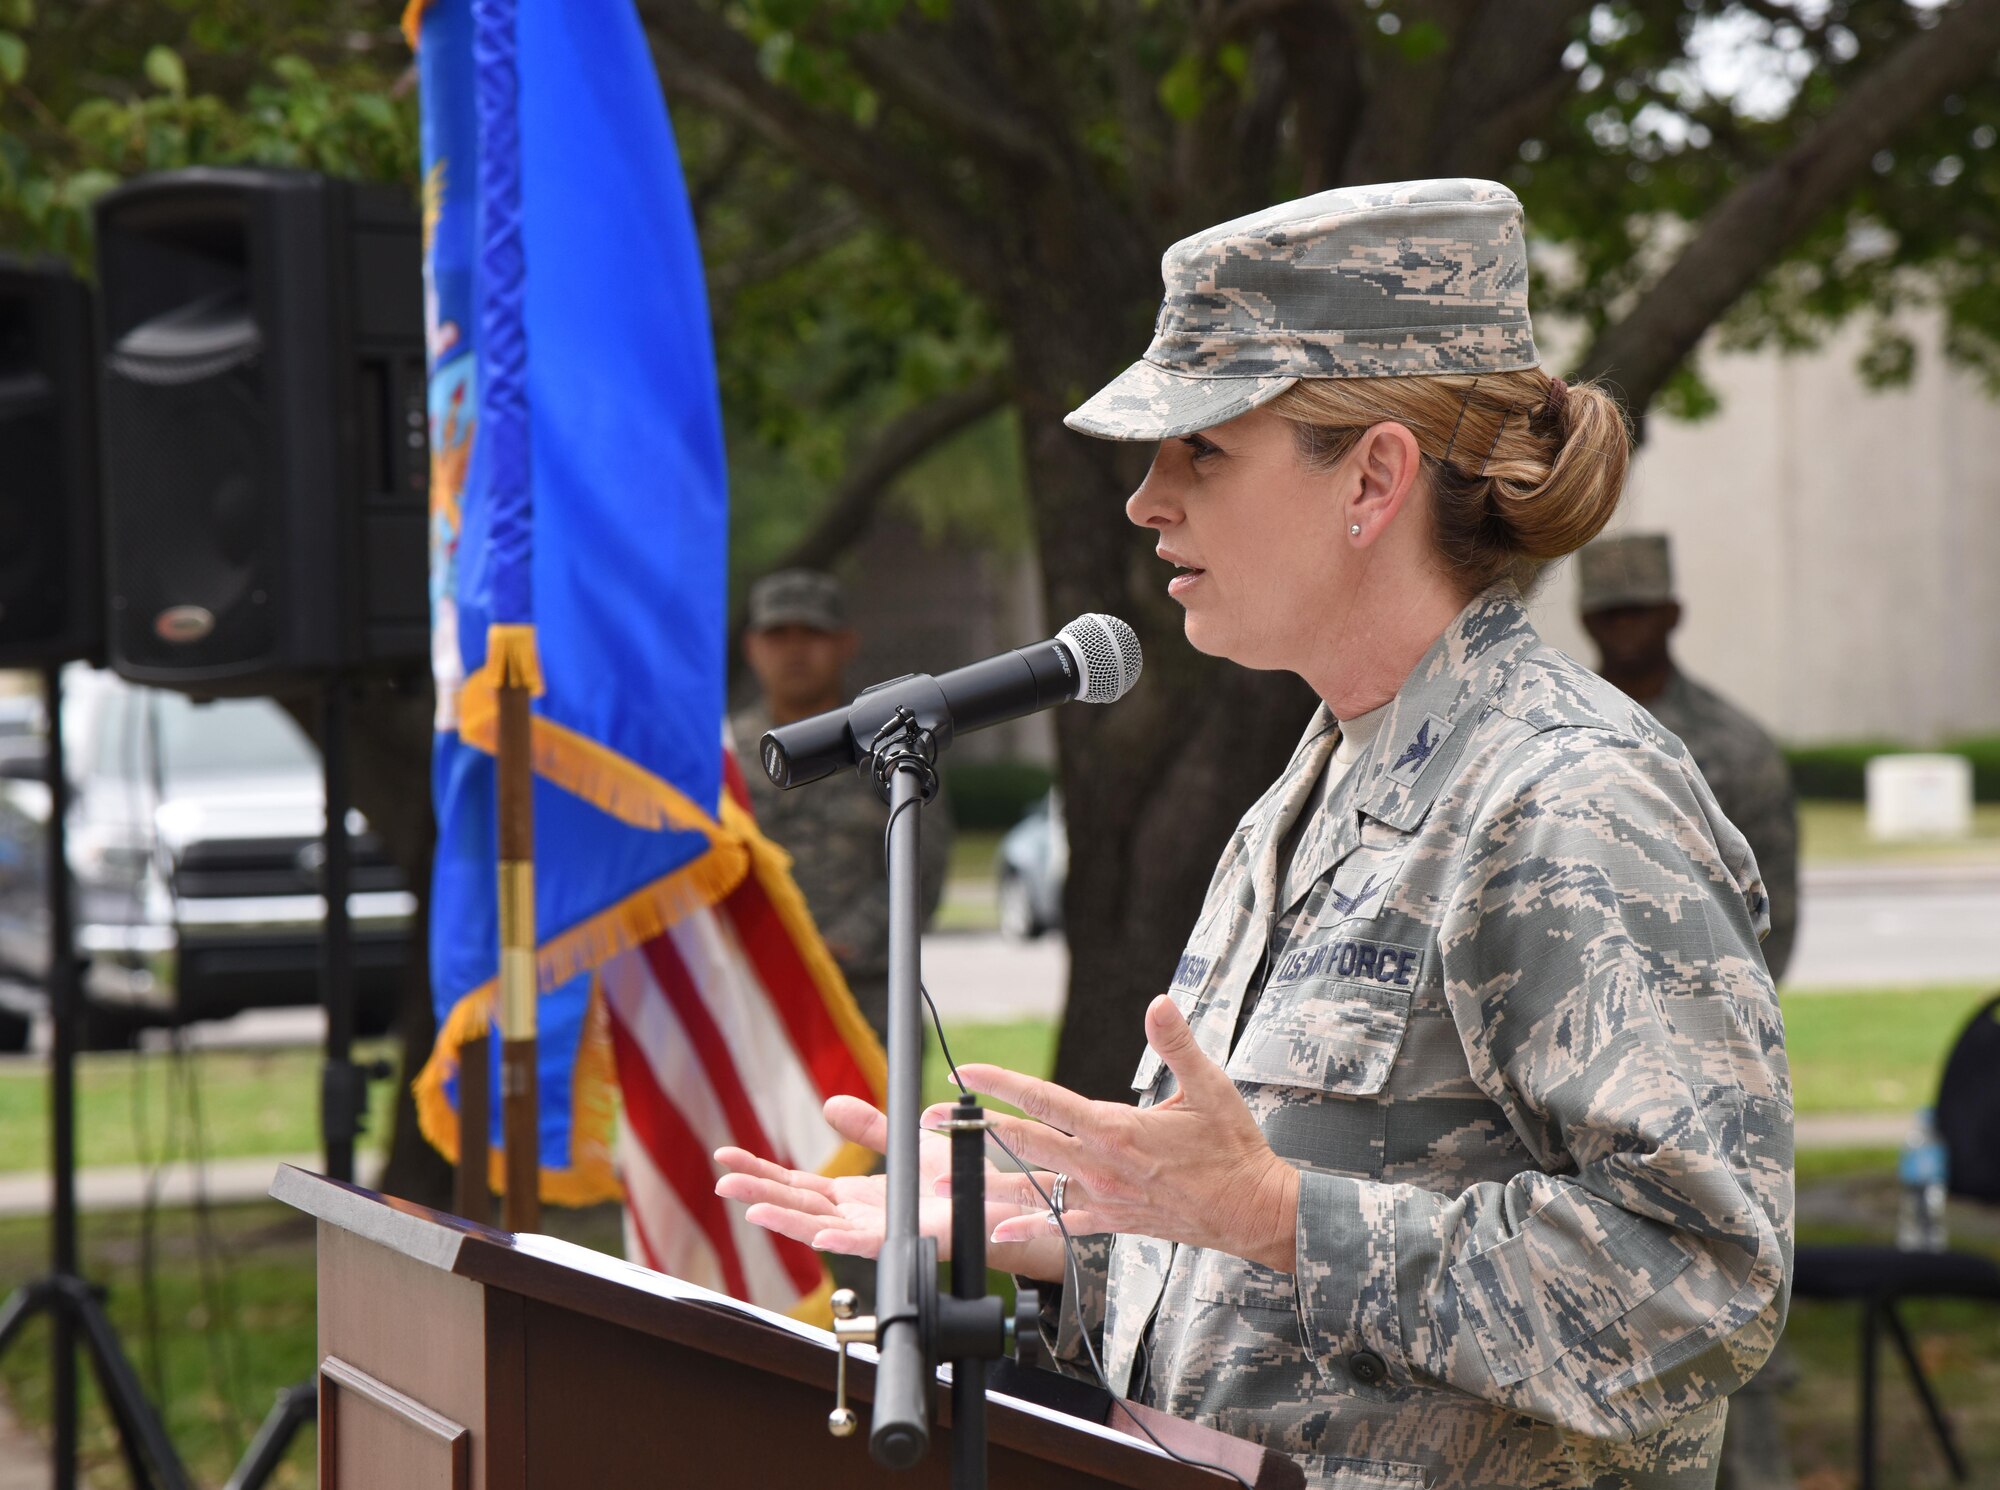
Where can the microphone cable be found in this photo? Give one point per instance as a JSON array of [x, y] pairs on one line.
[[1071, 1268]]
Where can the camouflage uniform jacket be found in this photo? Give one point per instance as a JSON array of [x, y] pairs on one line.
[[1514, 1031], [1745, 769]]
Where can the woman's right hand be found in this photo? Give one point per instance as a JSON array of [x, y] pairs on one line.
[[850, 1214]]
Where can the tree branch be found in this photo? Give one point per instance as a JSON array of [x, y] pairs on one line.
[[708, 61], [902, 443], [1744, 235], [934, 88], [805, 245], [1506, 79]]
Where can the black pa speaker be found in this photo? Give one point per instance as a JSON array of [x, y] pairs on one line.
[[51, 592], [265, 459]]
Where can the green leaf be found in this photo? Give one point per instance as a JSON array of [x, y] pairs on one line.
[[374, 109], [13, 57], [97, 119], [775, 55], [294, 70], [1232, 60], [85, 187], [17, 13], [166, 71], [1421, 40], [1180, 87], [1889, 360], [1687, 395]]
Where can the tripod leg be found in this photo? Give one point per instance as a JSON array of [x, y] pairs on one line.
[[26, 1302], [148, 1450], [1870, 1332], [29, 1300], [1939, 1424], [296, 1406]]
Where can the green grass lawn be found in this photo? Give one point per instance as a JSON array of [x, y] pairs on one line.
[[1028, 1045], [1872, 1050], [972, 854], [1837, 832], [133, 1107]]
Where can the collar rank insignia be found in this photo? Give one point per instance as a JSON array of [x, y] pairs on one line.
[[1419, 751]]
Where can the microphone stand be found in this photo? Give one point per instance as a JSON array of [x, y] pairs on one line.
[[914, 1329]]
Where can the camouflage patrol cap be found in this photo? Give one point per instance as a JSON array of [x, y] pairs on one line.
[[1633, 569], [798, 597], [1411, 279]]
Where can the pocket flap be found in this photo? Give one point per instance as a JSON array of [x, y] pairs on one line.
[[1330, 1035], [1576, 1265]]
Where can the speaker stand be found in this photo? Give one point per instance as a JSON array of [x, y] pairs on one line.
[[343, 1092], [76, 1309]]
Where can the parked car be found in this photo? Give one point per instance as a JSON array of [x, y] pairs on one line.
[[20, 725], [195, 851], [1031, 867]]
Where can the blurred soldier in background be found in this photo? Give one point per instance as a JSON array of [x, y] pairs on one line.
[[1626, 596], [798, 645]]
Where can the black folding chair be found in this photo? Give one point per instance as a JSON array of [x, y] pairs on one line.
[[1881, 1278]]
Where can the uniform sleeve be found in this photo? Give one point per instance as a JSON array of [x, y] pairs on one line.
[[1073, 1310], [1772, 828], [1599, 961]]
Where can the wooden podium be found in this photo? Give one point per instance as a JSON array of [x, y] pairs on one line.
[[454, 1356]]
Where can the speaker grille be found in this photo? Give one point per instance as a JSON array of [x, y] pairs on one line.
[[191, 521]]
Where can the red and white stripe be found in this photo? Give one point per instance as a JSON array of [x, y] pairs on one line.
[[722, 1036]]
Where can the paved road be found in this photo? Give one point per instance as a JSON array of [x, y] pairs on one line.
[[1914, 926], [1857, 929]]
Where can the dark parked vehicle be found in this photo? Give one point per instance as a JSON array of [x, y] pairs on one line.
[[194, 847], [1032, 866]]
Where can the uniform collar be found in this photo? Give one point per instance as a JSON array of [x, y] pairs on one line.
[[1431, 716], [1413, 754]]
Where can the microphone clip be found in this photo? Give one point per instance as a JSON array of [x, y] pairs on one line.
[[903, 743]]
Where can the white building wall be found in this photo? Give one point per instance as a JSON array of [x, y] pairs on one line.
[[1837, 549]]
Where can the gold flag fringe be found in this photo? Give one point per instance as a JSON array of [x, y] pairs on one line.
[[413, 21], [773, 869], [590, 1176]]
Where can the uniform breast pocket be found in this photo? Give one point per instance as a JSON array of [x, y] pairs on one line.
[[1325, 1035], [1312, 1066]]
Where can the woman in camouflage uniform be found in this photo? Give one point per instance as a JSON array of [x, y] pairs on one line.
[[1462, 1152]]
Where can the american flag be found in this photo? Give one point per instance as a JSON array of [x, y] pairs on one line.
[[733, 1027]]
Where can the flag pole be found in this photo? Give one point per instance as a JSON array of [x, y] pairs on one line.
[[520, 1104]]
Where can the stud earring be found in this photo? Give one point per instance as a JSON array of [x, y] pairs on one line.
[[1354, 530]]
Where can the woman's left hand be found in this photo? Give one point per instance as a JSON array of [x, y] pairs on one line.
[[1193, 1169]]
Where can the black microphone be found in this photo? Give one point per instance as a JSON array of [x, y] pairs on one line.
[[1094, 660]]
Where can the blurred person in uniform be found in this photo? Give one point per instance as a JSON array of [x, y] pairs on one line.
[[1626, 597], [798, 645], [1462, 1151]]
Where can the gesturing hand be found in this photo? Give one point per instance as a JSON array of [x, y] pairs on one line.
[[1193, 1169], [850, 1214]]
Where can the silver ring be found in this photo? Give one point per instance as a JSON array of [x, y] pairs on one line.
[[1056, 1193]]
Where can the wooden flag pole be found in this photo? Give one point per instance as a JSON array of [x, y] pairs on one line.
[[472, 1188], [520, 1106]]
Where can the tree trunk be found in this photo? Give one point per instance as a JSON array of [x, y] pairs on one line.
[[389, 751]]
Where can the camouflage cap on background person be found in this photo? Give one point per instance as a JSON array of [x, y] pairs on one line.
[[1411, 279], [1633, 569], [798, 597]]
